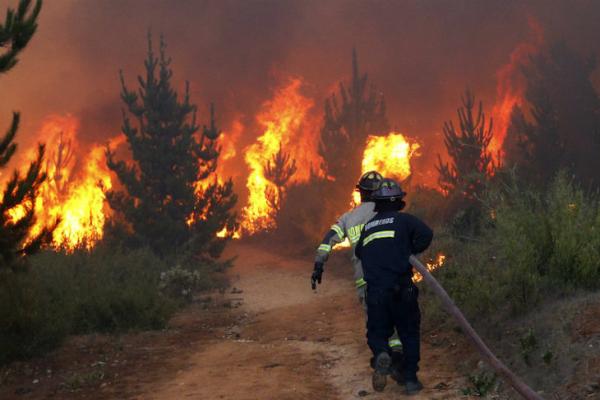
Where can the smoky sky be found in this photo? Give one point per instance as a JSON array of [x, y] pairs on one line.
[[419, 54]]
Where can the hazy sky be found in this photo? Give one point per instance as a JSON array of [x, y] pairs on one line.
[[420, 54]]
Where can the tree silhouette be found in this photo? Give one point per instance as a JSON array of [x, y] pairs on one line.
[[470, 160], [559, 126], [350, 118], [279, 170], [171, 199], [17, 216], [465, 176]]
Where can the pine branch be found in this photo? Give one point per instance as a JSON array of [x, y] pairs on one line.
[[16, 32], [7, 147]]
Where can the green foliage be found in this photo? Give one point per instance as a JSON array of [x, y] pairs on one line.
[[104, 290], [482, 383], [533, 246], [547, 357], [78, 380], [553, 236], [181, 284], [171, 199], [528, 343]]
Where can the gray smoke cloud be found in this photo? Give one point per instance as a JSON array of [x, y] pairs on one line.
[[420, 54]]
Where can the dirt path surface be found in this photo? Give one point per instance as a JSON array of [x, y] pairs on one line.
[[271, 337], [294, 343]]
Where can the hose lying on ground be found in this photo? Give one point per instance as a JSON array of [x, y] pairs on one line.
[[520, 386]]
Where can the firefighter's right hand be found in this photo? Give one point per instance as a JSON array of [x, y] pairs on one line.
[[317, 275]]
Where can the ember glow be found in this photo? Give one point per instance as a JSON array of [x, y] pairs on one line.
[[285, 122], [431, 266]]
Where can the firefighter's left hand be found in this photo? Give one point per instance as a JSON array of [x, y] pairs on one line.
[[317, 275]]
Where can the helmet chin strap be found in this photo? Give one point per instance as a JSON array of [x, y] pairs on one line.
[[365, 195]]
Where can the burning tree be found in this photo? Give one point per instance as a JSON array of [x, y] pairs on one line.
[[279, 170], [17, 216], [60, 160], [347, 125], [560, 127], [463, 179], [169, 201]]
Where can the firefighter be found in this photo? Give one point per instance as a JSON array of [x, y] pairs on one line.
[[349, 226], [384, 246]]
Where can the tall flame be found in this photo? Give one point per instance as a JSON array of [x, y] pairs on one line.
[[75, 199], [511, 87], [390, 155], [284, 119]]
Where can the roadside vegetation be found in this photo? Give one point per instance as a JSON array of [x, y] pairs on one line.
[[528, 281]]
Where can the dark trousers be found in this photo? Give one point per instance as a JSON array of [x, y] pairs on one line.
[[399, 308]]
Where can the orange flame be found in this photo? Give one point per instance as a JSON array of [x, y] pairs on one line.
[[431, 266], [390, 155], [511, 88], [76, 199], [284, 119]]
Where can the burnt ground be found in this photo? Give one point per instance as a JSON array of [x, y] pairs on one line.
[[267, 337]]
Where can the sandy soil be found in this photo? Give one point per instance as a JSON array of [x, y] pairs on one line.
[[268, 337]]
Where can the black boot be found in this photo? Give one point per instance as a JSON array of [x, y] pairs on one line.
[[413, 386], [383, 361]]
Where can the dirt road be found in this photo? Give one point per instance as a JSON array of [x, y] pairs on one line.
[[276, 339], [293, 343]]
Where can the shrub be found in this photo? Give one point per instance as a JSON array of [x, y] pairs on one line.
[[101, 291], [533, 245], [180, 283]]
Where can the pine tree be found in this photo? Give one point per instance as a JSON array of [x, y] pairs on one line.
[[347, 125], [470, 160], [171, 199], [534, 149], [279, 170], [563, 128], [464, 177], [17, 216]]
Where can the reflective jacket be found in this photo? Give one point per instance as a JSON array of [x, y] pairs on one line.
[[348, 226], [386, 243]]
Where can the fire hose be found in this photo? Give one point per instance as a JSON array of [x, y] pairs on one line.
[[520, 386]]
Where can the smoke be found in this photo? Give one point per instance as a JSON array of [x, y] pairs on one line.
[[421, 55]]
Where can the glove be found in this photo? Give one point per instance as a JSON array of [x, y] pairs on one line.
[[317, 275]]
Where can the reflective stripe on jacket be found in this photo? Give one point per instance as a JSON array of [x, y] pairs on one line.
[[348, 226]]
